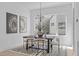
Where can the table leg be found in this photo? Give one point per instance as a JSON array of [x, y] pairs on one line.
[[32, 45], [48, 47], [27, 45], [23, 42], [51, 46]]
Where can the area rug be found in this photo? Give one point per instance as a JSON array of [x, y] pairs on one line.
[[31, 52], [35, 52]]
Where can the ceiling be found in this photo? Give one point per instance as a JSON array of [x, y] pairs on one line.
[[32, 5]]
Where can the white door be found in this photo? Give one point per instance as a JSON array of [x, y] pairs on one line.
[[76, 30]]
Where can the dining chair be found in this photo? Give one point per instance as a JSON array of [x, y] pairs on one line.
[[40, 45], [55, 45]]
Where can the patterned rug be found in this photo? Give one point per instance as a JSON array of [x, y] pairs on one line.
[[36, 52], [31, 52]]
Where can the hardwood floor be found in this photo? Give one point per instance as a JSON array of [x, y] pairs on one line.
[[11, 53], [19, 51]]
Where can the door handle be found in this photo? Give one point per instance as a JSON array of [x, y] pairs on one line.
[[77, 20]]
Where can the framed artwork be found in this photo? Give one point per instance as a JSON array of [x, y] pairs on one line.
[[61, 24], [11, 23], [45, 23], [53, 26], [22, 24], [36, 21]]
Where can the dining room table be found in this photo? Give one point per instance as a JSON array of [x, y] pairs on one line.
[[49, 40]]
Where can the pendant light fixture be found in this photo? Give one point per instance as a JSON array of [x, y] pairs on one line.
[[40, 17], [40, 11], [40, 34]]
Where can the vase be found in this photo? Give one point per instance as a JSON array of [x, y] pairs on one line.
[[40, 34]]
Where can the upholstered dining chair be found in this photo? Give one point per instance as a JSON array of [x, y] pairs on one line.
[[40, 44], [55, 46], [26, 39]]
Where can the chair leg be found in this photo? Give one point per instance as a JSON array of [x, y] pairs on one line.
[[51, 49], [23, 42], [38, 47], [32, 45], [43, 47], [58, 49], [27, 45]]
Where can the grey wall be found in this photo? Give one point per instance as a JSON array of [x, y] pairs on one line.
[[8, 41], [62, 9]]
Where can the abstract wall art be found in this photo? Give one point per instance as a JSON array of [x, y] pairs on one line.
[[22, 24], [62, 20], [11, 23], [53, 26]]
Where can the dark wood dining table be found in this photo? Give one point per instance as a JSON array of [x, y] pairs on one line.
[[48, 42]]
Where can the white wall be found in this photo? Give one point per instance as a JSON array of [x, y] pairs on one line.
[[63, 9], [8, 41]]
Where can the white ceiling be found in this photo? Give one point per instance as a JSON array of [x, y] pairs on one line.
[[32, 5]]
